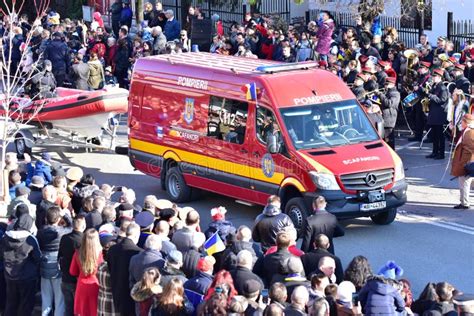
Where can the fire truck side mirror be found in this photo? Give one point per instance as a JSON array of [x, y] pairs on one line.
[[272, 144]]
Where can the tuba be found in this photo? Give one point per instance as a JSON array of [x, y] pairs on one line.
[[410, 74]]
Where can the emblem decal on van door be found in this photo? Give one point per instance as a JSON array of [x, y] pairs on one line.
[[188, 114], [268, 166]]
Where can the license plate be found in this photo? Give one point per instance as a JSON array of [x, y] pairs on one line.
[[373, 206]]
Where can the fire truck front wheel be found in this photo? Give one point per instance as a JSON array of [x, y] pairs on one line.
[[176, 186], [296, 209], [386, 217]]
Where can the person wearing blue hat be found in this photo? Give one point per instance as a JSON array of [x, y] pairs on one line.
[[145, 220]]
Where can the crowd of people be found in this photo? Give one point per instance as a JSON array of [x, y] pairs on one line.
[[91, 248]]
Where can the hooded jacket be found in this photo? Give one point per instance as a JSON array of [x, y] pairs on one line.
[[268, 224], [48, 240], [96, 74], [144, 298], [225, 228], [324, 35], [20, 252], [380, 298], [43, 169]]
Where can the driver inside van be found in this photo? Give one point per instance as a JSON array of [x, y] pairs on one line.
[[328, 123]]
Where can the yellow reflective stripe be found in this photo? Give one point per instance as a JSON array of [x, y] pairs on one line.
[[316, 165], [206, 161], [294, 182]]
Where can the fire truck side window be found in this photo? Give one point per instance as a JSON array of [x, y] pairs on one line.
[[227, 119], [266, 124]]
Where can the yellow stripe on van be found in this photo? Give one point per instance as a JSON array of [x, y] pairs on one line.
[[294, 182], [316, 165], [206, 161]]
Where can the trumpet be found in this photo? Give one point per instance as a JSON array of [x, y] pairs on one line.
[[374, 92]]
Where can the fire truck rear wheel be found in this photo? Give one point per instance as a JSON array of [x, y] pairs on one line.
[[296, 209], [176, 186], [385, 218]]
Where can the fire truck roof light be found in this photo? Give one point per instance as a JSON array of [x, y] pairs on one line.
[[286, 67]]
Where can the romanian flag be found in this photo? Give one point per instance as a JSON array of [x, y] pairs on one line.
[[250, 91], [214, 244]]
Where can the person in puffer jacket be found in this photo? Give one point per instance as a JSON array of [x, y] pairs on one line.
[[48, 239], [219, 224], [270, 223], [21, 256], [379, 297]]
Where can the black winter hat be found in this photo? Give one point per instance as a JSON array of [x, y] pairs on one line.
[[25, 222]]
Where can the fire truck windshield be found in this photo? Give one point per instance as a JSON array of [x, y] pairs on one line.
[[328, 125]]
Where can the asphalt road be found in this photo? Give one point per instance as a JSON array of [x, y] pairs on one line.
[[430, 240]]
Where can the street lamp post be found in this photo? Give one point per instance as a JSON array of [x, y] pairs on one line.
[[421, 6]]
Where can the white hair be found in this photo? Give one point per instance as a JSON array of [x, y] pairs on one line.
[[245, 259], [244, 233], [128, 196], [153, 242], [133, 231], [300, 296], [198, 240]]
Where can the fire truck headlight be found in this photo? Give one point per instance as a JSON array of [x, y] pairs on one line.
[[399, 172], [324, 181]]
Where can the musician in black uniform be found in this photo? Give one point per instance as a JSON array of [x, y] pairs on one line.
[[371, 82], [448, 66], [381, 75], [438, 96], [389, 104], [462, 83], [358, 87], [417, 114]]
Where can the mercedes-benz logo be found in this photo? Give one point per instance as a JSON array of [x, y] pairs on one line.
[[371, 179]]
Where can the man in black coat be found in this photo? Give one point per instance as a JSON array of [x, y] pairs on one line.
[[358, 87], [271, 266], [311, 259], [118, 260], [116, 11], [321, 222], [67, 246], [20, 253], [243, 271], [461, 82], [389, 103], [270, 223], [438, 97], [49, 198], [58, 53], [94, 218]]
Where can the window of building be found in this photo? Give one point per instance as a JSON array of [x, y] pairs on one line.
[[227, 119]]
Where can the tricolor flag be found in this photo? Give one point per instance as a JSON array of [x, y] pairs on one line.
[[251, 91], [214, 244]]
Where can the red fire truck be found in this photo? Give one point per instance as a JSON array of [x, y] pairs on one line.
[[249, 128]]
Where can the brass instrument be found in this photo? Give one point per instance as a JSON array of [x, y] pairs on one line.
[[410, 74], [373, 92], [425, 102], [373, 95]]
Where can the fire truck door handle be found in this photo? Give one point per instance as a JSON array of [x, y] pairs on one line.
[[256, 154], [243, 151]]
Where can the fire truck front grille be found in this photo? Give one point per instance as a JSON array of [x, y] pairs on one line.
[[367, 180]]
